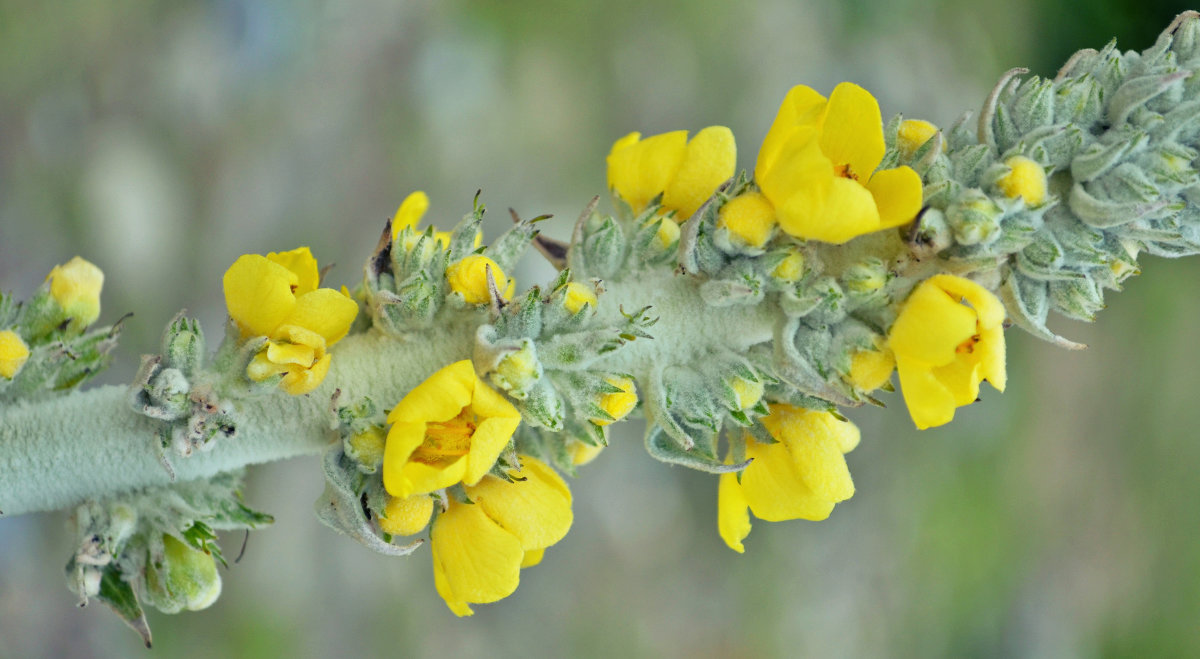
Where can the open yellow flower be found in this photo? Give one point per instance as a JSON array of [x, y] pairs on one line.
[[479, 548], [13, 354], [450, 429], [801, 476], [276, 296], [75, 286], [685, 173], [817, 167], [945, 348]]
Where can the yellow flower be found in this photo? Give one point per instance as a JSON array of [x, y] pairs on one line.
[[749, 217], [790, 268], [1025, 179], [276, 296], [577, 296], [451, 428], [582, 453], [479, 548], [409, 215], [685, 173], [617, 404], [817, 167], [13, 354], [75, 286], [801, 476], [944, 348], [468, 277], [869, 369]]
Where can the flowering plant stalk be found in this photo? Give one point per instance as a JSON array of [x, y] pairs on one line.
[[736, 312]]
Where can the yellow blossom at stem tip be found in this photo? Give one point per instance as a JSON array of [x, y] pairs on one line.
[[686, 173], [945, 348], [801, 476], [13, 354], [449, 429], [480, 547], [277, 296], [817, 167]]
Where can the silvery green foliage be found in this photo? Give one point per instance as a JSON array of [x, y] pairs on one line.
[[1117, 134]]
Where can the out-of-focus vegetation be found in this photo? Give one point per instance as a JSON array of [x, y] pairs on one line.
[[161, 140]]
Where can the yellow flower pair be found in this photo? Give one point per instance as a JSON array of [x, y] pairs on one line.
[[686, 173], [277, 296]]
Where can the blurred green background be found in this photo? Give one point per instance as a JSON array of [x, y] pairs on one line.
[[163, 139]]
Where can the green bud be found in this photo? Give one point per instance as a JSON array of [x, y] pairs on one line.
[[974, 218], [183, 578], [603, 246], [365, 448], [183, 345]]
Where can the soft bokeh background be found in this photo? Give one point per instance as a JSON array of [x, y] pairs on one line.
[[161, 140]]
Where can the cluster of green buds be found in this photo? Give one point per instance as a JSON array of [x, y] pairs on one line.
[[737, 312]]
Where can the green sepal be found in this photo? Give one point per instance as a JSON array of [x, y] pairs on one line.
[[663, 448], [118, 595], [341, 508]]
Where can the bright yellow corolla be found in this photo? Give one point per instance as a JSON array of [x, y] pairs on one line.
[[409, 215], [75, 286], [801, 476], [13, 354], [685, 173], [479, 548], [276, 296], [450, 429], [817, 167], [945, 348]]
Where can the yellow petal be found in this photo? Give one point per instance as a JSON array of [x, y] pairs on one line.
[[733, 515], [469, 278], [421, 478], [13, 353], [813, 439], [618, 404], [261, 367], [303, 380], [799, 168], [640, 171], [458, 606], [301, 263], [773, 488], [800, 108], [869, 369], [406, 516], [961, 378], [848, 212], [929, 402], [532, 558], [897, 194], [300, 336], [986, 305], [491, 436], [410, 212], [479, 562], [852, 133], [439, 398], [258, 294], [537, 510], [708, 161], [290, 353], [324, 311], [931, 326], [991, 356], [750, 217]]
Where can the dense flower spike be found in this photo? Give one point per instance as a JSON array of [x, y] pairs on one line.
[[801, 476], [450, 429], [75, 286], [944, 348], [13, 354], [276, 296], [480, 547], [685, 173], [817, 167]]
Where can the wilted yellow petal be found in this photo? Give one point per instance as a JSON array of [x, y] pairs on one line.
[[479, 561], [537, 509]]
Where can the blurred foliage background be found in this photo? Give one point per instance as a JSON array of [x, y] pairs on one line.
[[163, 139]]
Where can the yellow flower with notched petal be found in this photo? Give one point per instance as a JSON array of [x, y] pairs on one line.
[[13, 354], [817, 167], [944, 348], [75, 286], [479, 548], [450, 429], [276, 296], [801, 476], [685, 173], [468, 277]]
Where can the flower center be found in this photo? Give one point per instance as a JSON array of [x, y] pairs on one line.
[[844, 171], [967, 347], [447, 439]]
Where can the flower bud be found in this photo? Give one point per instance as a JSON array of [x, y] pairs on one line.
[[366, 448], [617, 404], [1026, 179], [75, 286], [789, 269], [870, 369], [468, 277], [13, 354], [749, 218], [912, 135], [186, 578], [518, 370], [577, 295], [746, 392], [406, 515]]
